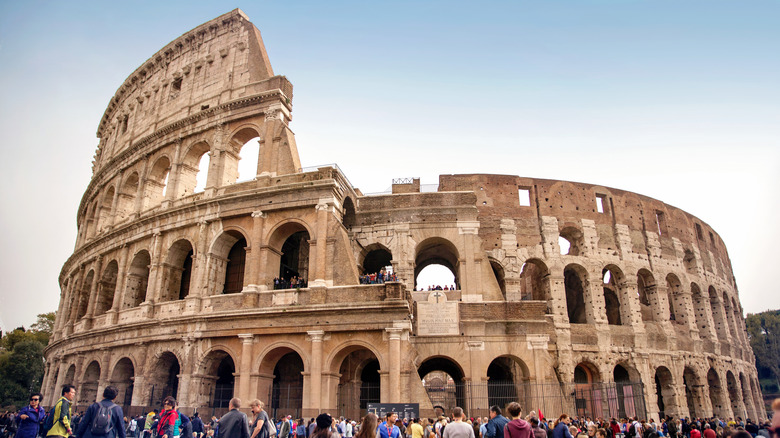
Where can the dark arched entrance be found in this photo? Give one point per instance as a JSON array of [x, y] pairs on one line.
[[359, 383], [287, 388], [443, 381]]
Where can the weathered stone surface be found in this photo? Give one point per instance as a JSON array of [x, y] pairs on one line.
[[669, 308]]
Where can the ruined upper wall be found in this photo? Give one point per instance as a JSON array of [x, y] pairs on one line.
[[498, 197], [218, 61]]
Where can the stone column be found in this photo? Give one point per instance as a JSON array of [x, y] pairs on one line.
[[139, 197], [321, 249], [119, 291], [173, 176], [470, 275], [245, 370], [93, 291], [199, 281], [57, 390], [316, 337], [394, 359], [155, 270], [141, 370], [255, 267], [105, 362]]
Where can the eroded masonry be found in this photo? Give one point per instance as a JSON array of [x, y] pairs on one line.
[[171, 288]]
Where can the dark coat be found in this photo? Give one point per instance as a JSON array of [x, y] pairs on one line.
[[117, 429], [234, 424], [28, 428]]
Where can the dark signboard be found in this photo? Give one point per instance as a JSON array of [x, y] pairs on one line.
[[404, 410]]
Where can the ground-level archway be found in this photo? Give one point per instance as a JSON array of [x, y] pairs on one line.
[[359, 381], [163, 379], [122, 378], [443, 380], [664, 393], [89, 384]]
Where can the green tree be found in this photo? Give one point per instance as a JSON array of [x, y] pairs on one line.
[[21, 360], [764, 332]]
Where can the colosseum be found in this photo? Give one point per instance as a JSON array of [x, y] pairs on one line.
[[189, 279]]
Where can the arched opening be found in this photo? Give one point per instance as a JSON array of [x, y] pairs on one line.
[[443, 382], [734, 395], [646, 291], [588, 397], [692, 387], [290, 255], [127, 195], [575, 279], [498, 272], [571, 241], [156, 183], [689, 260], [122, 378], [436, 251], [137, 280], [89, 384], [163, 379], [625, 396], [716, 393], [506, 379], [177, 271], [287, 389], [84, 295], [701, 309], [377, 264], [70, 375], [234, 270], [717, 314], [247, 160], [610, 277], [294, 262], [664, 393], [107, 288], [194, 169], [534, 281], [674, 292], [104, 211], [359, 383], [739, 320], [223, 386], [348, 219]]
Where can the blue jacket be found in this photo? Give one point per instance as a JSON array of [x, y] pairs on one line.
[[118, 426], [495, 427], [561, 431], [29, 428], [395, 433]]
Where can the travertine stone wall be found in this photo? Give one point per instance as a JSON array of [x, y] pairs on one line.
[[167, 288]]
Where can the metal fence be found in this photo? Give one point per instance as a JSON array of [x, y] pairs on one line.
[[353, 398], [604, 400], [285, 399]]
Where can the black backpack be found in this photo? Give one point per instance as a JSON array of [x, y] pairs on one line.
[[102, 424], [49, 420]]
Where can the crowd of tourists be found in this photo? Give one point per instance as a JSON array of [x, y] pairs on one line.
[[378, 277], [438, 287], [105, 419], [293, 282]]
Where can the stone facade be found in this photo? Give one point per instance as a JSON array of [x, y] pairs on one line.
[[170, 290]]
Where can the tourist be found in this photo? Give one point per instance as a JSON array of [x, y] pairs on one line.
[[561, 429], [260, 423], [89, 426], [388, 429], [234, 423], [168, 418], [495, 427], [29, 418], [536, 427], [324, 427], [458, 428], [301, 431], [62, 413], [368, 426], [517, 427], [416, 430]]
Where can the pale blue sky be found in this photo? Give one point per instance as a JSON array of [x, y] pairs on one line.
[[675, 100]]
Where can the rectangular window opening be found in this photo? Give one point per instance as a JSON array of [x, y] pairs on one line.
[[600, 203], [661, 221], [524, 194], [176, 85], [698, 232], [712, 238]]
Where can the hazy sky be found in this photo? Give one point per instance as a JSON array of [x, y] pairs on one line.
[[679, 101]]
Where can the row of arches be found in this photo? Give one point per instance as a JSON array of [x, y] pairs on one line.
[[172, 174]]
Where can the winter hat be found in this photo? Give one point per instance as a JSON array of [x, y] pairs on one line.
[[324, 421]]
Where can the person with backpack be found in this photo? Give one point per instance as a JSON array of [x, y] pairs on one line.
[[57, 424], [103, 419], [29, 418]]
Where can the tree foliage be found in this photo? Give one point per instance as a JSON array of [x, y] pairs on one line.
[[21, 360], [764, 332]]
